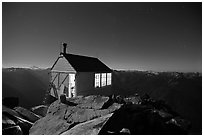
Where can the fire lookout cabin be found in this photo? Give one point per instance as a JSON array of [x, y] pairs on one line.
[[75, 75]]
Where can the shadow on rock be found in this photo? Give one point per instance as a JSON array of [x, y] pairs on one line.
[[141, 120]]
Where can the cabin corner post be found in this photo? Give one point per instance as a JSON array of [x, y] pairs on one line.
[[76, 84]]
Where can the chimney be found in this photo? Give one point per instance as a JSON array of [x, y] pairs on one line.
[[64, 47]]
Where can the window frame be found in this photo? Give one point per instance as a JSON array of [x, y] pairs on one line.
[[103, 79], [109, 79], [97, 80]]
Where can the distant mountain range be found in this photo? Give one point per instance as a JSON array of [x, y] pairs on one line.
[[35, 67], [182, 91]]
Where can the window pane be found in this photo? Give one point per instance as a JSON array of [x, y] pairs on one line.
[[108, 78], [97, 80], [103, 80]]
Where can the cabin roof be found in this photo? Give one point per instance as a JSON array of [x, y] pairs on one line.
[[86, 64]]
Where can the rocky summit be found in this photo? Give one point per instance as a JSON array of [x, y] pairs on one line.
[[113, 115], [62, 116], [96, 115]]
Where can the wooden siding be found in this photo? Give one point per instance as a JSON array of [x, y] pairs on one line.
[[63, 65], [85, 85], [59, 81]]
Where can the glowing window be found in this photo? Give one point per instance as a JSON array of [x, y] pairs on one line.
[[103, 80], [108, 78], [97, 80]]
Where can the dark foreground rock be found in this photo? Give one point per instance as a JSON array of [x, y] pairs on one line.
[[12, 120], [27, 114], [144, 120], [13, 130], [7, 122]]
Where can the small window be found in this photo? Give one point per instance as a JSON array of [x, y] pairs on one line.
[[103, 80], [97, 80], [108, 78]]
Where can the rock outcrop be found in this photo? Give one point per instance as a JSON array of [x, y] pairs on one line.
[[40, 110], [27, 114], [6, 121], [110, 115], [95, 114], [16, 122], [142, 120], [61, 117], [91, 127], [13, 130]]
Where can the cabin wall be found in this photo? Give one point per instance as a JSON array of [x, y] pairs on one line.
[[57, 79], [61, 80], [62, 65], [85, 85], [61, 68], [84, 81]]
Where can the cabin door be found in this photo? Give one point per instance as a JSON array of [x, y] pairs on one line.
[[62, 83], [72, 88]]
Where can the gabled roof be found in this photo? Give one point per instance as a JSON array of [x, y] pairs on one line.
[[86, 64]]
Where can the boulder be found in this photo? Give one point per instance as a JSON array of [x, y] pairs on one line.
[[125, 131], [49, 126], [40, 110], [27, 114], [7, 122], [166, 116], [10, 111], [77, 113], [183, 124], [24, 124], [114, 107], [132, 100], [17, 119], [63, 115], [13, 130], [91, 127], [90, 102]]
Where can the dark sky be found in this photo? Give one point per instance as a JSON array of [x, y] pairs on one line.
[[130, 36]]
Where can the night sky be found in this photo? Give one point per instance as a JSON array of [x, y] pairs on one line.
[[129, 36]]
